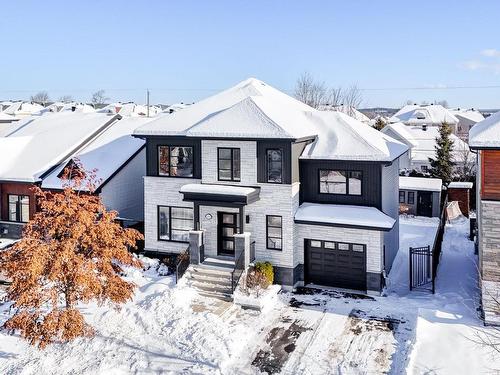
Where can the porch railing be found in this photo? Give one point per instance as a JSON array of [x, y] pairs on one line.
[[181, 267], [252, 252], [239, 267]]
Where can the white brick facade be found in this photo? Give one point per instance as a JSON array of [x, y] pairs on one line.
[[275, 199]]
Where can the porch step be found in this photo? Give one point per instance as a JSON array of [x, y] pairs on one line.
[[210, 281]]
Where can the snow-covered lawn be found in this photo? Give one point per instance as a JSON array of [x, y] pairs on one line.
[[171, 329]]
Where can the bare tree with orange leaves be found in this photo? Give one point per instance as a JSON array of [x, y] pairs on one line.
[[72, 251]]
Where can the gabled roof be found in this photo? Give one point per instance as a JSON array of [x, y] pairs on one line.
[[106, 153], [486, 134], [253, 109], [434, 114], [35, 144]]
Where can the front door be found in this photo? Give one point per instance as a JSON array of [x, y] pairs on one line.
[[227, 227], [424, 206]]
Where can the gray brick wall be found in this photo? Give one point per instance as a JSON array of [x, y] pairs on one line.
[[489, 250]]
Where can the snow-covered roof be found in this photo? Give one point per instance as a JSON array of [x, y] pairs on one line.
[[433, 114], [460, 185], [23, 109], [359, 216], [402, 132], [35, 144], [130, 109], [426, 142], [217, 189], [253, 109], [420, 183], [71, 106], [486, 133], [349, 110], [343, 138], [469, 114], [106, 153]]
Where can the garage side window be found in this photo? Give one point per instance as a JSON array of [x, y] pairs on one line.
[[274, 232], [401, 196], [19, 208], [411, 197]]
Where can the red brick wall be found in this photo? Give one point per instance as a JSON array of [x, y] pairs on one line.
[[18, 189], [462, 196]]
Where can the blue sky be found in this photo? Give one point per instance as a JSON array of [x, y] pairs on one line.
[[186, 50]]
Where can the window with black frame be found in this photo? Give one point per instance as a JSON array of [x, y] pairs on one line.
[[229, 168], [274, 232], [340, 182], [19, 208], [175, 161], [401, 196], [274, 165], [411, 197], [174, 223]]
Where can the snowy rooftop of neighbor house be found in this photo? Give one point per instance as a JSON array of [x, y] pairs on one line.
[[460, 185], [420, 183], [67, 106], [348, 110], [469, 114], [402, 132], [23, 109], [486, 134], [130, 109], [433, 114], [106, 153], [33, 145], [359, 216], [253, 109]]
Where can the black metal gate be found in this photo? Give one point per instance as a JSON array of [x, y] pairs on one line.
[[422, 273]]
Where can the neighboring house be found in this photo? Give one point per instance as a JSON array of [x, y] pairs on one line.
[[348, 110], [428, 115], [36, 150], [71, 106], [251, 172], [22, 109], [131, 109], [467, 118], [421, 141], [484, 138], [420, 196]]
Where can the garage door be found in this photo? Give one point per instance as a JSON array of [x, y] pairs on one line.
[[337, 264]]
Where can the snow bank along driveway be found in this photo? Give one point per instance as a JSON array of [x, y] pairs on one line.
[[170, 329]]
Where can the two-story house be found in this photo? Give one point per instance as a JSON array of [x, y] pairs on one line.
[[252, 169], [484, 139]]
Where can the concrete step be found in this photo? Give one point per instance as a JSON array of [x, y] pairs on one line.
[[211, 287], [209, 278], [210, 270], [219, 296]]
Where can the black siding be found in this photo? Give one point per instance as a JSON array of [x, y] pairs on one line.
[[262, 146], [152, 144], [371, 194]]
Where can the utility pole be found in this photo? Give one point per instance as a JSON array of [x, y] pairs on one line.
[[147, 102]]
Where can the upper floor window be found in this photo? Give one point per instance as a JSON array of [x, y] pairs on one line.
[[340, 182], [19, 208], [229, 164], [274, 165], [175, 161]]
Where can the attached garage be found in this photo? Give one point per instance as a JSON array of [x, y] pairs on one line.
[[336, 264]]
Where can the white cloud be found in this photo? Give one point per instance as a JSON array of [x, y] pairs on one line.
[[490, 62], [490, 52]]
